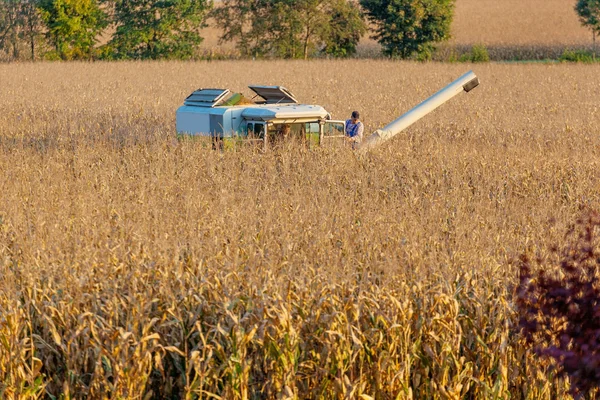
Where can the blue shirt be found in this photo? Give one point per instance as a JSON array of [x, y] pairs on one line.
[[354, 131]]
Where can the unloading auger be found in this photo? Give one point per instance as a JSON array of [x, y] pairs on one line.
[[466, 83]]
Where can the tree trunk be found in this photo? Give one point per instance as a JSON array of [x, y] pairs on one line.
[[293, 45], [16, 54], [594, 45], [152, 45], [32, 42], [306, 42]]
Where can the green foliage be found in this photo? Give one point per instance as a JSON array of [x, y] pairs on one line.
[[73, 26], [150, 29], [589, 15], [291, 28], [346, 27], [52, 55], [577, 56], [478, 53], [406, 28]]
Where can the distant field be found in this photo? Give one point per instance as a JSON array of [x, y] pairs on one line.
[[134, 265], [502, 25], [518, 22]]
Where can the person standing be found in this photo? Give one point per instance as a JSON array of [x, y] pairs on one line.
[[354, 130]]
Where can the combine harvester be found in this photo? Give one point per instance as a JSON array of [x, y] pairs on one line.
[[227, 117]]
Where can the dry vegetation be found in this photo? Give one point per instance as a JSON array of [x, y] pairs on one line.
[[133, 265], [518, 22], [517, 29]]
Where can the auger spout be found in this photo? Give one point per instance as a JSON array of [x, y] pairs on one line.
[[467, 82]]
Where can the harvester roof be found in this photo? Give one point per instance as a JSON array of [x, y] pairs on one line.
[[284, 112], [278, 104]]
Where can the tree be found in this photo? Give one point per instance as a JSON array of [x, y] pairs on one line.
[[308, 21], [150, 29], [31, 23], [245, 22], [589, 15], [20, 22], [291, 28], [255, 25], [345, 28], [8, 25], [410, 27], [73, 26]]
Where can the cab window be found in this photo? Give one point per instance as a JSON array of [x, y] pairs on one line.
[[312, 127], [259, 130], [334, 128]]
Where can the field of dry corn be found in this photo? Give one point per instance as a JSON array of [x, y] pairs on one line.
[[518, 22], [137, 266], [518, 29]]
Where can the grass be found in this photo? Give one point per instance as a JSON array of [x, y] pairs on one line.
[[134, 265]]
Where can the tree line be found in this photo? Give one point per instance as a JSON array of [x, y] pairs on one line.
[[102, 29], [171, 29]]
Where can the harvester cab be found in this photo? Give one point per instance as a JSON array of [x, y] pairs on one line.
[[274, 113], [222, 115]]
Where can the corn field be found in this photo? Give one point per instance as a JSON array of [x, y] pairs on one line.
[[137, 266], [518, 23]]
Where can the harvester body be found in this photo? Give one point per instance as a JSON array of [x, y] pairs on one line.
[[222, 115]]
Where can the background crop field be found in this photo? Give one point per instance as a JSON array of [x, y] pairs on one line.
[[518, 22], [134, 265]]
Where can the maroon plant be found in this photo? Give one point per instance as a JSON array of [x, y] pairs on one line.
[[559, 305]]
